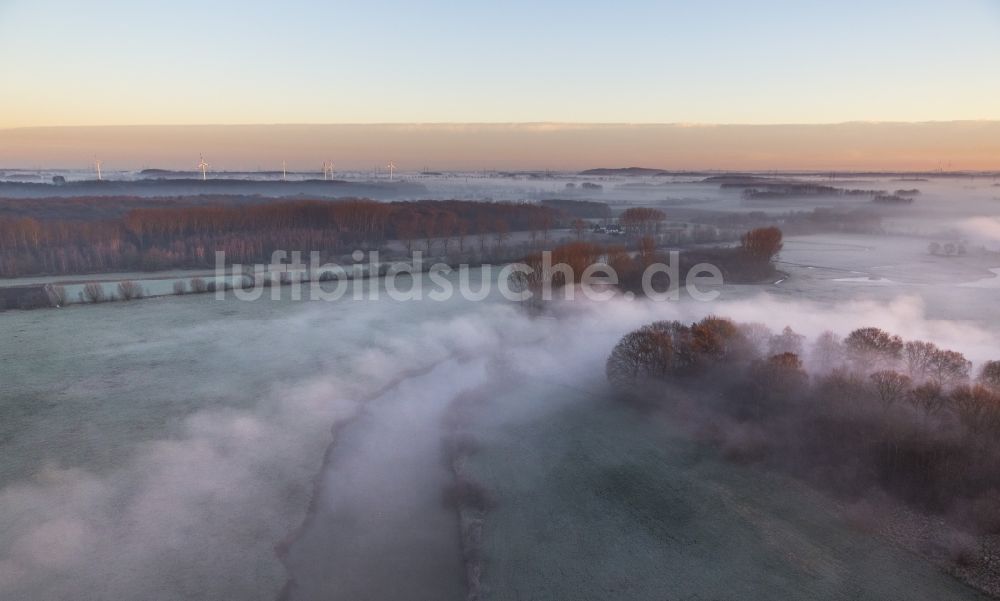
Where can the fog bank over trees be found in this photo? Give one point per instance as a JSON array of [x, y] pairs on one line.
[[863, 416]]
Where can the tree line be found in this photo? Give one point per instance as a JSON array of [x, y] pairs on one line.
[[188, 236], [752, 259]]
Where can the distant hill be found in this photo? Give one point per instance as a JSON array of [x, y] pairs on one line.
[[197, 174], [638, 171], [624, 171]]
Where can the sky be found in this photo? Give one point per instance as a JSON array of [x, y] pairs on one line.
[[129, 62]]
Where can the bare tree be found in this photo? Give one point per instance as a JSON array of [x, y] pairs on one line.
[[547, 222], [989, 375], [408, 231], [483, 232], [461, 231], [918, 356], [502, 231], [758, 335], [446, 228], [786, 342], [949, 368], [977, 407], [929, 398], [890, 386], [534, 225], [198, 285], [828, 352], [180, 287], [430, 230]]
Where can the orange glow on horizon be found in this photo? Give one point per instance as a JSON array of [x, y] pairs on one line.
[[969, 145]]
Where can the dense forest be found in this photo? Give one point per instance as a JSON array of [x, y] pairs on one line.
[[160, 237], [870, 412]]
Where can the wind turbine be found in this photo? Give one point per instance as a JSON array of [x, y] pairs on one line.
[[327, 170], [284, 172], [391, 166], [97, 165], [203, 166]]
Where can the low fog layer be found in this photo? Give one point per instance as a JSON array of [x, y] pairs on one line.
[[205, 508], [274, 448]]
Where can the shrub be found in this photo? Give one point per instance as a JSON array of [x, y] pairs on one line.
[[128, 290], [93, 292], [56, 294]]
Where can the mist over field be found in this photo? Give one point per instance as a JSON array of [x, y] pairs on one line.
[[547, 301], [180, 446]]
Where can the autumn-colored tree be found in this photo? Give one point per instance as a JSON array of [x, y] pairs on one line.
[[645, 353], [646, 251], [165, 236], [762, 244], [642, 221], [720, 338], [618, 258], [565, 261], [872, 349]]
